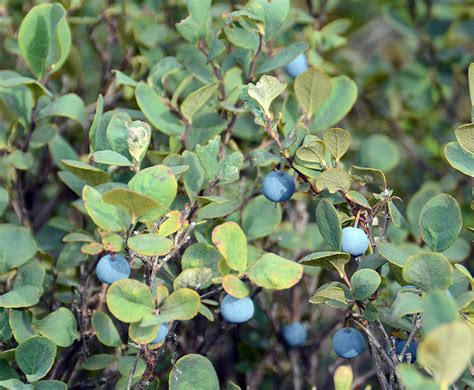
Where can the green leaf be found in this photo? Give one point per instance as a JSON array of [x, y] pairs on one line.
[[129, 300], [364, 283], [416, 203], [329, 292], [260, 217], [104, 215], [44, 38], [440, 222], [157, 182], [379, 152], [150, 244], [235, 287], [18, 100], [358, 198], [20, 297], [337, 141], [217, 210], [446, 351], [229, 167], [192, 369], [195, 177], [465, 137], [413, 380], [312, 88], [329, 224], [20, 325], [282, 57], [4, 198], [16, 79], [20, 160], [42, 135], [87, 173], [231, 242], [123, 79], [156, 111], [136, 203], [98, 362], [405, 303], [60, 326], [49, 385], [197, 99], [105, 330], [60, 149], [337, 105], [333, 180], [265, 91], [369, 176], [459, 158], [194, 278], [68, 106], [126, 363], [275, 272], [393, 253], [193, 27], [181, 305], [109, 157], [208, 155], [439, 308], [30, 274], [35, 357], [142, 335], [139, 135], [328, 260], [275, 13], [241, 37], [396, 216], [429, 271], [313, 150], [201, 255], [17, 246]]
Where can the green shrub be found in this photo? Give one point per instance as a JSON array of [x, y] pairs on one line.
[[139, 133]]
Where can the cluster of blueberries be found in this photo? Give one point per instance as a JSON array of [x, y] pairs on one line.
[[278, 186]]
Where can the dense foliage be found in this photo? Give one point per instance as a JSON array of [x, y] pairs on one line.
[[207, 195]]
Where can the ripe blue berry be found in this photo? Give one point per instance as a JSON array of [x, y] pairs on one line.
[[348, 343], [295, 334], [412, 348], [354, 241], [237, 310], [161, 334], [278, 186], [297, 66], [112, 268]]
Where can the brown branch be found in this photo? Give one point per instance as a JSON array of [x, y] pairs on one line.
[[253, 63]]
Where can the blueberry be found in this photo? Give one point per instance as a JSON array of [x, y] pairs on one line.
[[112, 268], [237, 310], [278, 186], [348, 343], [161, 334], [297, 66], [295, 334], [400, 344], [354, 241]]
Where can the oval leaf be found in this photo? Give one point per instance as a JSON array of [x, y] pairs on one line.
[[275, 272], [440, 222]]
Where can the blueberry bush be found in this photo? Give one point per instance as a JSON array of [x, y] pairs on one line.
[[201, 194]]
